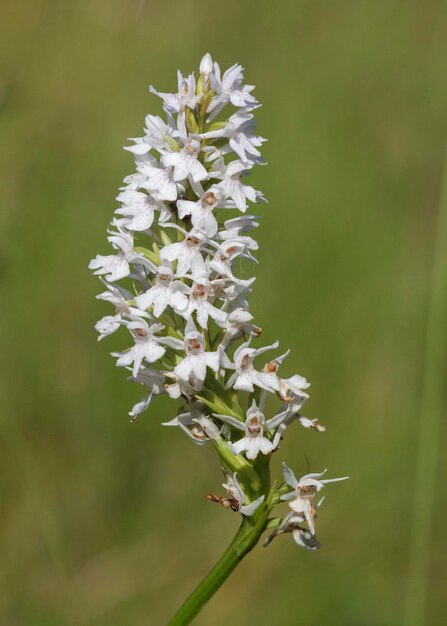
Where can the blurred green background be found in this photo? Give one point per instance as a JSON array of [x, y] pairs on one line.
[[104, 522]]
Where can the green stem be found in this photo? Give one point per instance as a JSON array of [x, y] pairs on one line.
[[245, 539], [237, 463]]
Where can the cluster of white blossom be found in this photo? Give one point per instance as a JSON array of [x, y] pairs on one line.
[[180, 236]]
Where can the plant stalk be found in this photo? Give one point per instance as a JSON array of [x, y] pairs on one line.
[[244, 541]]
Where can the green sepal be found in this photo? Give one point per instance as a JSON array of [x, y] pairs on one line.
[[221, 400], [156, 250], [191, 122], [199, 87], [216, 143], [273, 522], [230, 396], [149, 254], [205, 102], [217, 405], [172, 143], [165, 238], [217, 126], [284, 488]]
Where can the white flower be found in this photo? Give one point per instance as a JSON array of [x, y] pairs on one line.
[[138, 210], [187, 253], [304, 489], [291, 389], [195, 424], [201, 212], [224, 257], [107, 325], [115, 266], [235, 292], [165, 292], [292, 524], [254, 440], [199, 302], [154, 382], [237, 225], [239, 130], [159, 181], [238, 323], [134, 181], [181, 387], [185, 162], [233, 188], [242, 139], [292, 413], [230, 88], [158, 134], [237, 494], [185, 97], [245, 376], [119, 297], [192, 369], [147, 345]]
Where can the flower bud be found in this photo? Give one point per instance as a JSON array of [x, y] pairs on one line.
[[206, 64]]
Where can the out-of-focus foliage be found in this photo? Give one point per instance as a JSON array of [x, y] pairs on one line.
[[105, 522]]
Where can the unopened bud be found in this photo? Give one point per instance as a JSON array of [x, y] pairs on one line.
[[206, 64]]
